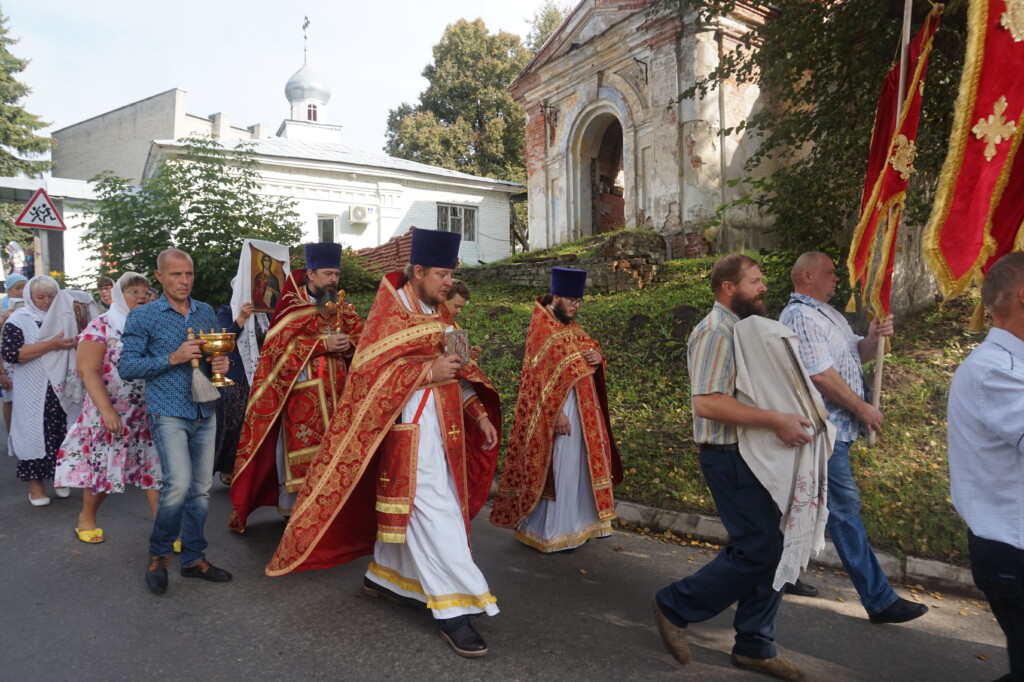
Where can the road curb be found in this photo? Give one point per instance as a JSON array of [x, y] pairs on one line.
[[913, 571]]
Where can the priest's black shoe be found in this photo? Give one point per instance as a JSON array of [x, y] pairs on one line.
[[900, 611], [801, 589], [207, 571], [156, 574], [462, 637]]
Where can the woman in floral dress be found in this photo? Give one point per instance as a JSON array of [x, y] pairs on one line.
[[110, 444]]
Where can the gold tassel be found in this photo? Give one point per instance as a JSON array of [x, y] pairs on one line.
[[978, 318], [851, 305]]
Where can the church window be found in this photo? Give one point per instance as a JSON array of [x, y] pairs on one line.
[[311, 112], [461, 219]]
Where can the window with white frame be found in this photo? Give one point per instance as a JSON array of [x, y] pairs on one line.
[[311, 112], [325, 228], [461, 219]]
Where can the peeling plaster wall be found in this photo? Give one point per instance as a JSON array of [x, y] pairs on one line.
[[618, 60]]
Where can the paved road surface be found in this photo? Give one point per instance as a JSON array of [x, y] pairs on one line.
[[71, 611]]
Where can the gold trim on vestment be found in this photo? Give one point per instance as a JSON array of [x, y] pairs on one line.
[[601, 529], [434, 602]]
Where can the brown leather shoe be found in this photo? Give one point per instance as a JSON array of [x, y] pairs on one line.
[[775, 666], [673, 636]]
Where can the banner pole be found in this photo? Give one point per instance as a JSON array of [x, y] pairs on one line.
[[876, 389]]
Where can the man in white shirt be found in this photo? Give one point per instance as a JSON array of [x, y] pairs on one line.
[[986, 453]]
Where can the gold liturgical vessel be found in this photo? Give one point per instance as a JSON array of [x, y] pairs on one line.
[[217, 344]]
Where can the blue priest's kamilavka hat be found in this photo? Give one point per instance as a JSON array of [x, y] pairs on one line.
[[434, 248], [323, 255], [567, 282]]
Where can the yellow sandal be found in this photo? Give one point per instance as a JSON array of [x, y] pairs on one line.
[[90, 537]]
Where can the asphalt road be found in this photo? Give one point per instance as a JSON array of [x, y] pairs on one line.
[[71, 611]]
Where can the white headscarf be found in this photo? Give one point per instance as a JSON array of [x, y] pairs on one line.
[[119, 309], [61, 366], [30, 306]]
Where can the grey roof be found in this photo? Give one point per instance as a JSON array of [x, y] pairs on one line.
[[339, 153]]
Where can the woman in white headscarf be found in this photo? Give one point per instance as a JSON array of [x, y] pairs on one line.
[[109, 445], [38, 422]]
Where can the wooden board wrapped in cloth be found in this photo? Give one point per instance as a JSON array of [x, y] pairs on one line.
[[769, 376]]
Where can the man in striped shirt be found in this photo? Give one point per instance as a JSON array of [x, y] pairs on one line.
[[744, 570]]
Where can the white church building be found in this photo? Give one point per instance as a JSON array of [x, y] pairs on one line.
[[357, 198]]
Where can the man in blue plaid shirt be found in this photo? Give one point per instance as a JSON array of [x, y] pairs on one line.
[[832, 355], [156, 348]]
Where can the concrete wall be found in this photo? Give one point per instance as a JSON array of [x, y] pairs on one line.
[[119, 140]]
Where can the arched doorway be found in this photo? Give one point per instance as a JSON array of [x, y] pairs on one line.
[[600, 205]]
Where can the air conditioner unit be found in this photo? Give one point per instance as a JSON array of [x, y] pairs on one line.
[[360, 215]]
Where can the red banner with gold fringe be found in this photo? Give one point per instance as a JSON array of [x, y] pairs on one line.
[[979, 204], [890, 165]]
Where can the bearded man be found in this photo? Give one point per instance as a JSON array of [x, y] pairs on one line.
[[297, 384], [556, 487], [744, 570], [408, 459]]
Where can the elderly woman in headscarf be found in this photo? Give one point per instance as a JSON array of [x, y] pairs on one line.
[[110, 445], [14, 287], [38, 423]]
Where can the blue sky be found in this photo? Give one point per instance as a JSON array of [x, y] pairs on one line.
[[235, 56]]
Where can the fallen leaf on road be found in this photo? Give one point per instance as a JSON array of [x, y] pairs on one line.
[[982, 657]]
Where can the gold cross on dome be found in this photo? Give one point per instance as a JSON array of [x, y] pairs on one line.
[[454, 432], [995, 129]]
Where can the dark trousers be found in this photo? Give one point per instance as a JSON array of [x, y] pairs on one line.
[[998, 570], [743, 571]]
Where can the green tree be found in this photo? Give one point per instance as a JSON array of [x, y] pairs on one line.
[[466, 120], [9, 232], [17, 126], [546, 20], [205, 201], [824, 64]]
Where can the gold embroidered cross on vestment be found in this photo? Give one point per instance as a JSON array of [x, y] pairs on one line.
[[1013, 19], [454, 432], [995, 129]]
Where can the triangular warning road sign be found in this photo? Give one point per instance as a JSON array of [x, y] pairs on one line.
[[40, 212]]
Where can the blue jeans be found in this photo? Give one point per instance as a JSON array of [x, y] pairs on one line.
[[744, 570], [850, 538], [186, 448]]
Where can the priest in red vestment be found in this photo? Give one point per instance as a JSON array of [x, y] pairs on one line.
[[298, 381], [408, 459], [556, 486]]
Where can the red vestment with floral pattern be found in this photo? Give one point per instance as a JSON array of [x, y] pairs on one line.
[[353, 495], [553, 365], [296, 341]]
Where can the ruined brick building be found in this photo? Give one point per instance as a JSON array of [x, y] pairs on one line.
[[609, 145]]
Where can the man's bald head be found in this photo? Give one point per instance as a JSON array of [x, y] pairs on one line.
[[807, 262], [814, 275], [170, 254]]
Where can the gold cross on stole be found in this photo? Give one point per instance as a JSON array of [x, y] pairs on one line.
[[994, 129]]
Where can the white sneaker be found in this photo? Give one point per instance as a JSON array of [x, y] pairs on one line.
[[62, 492]]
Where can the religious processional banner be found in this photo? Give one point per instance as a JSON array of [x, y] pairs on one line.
[[979, 204], [890, 165]]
